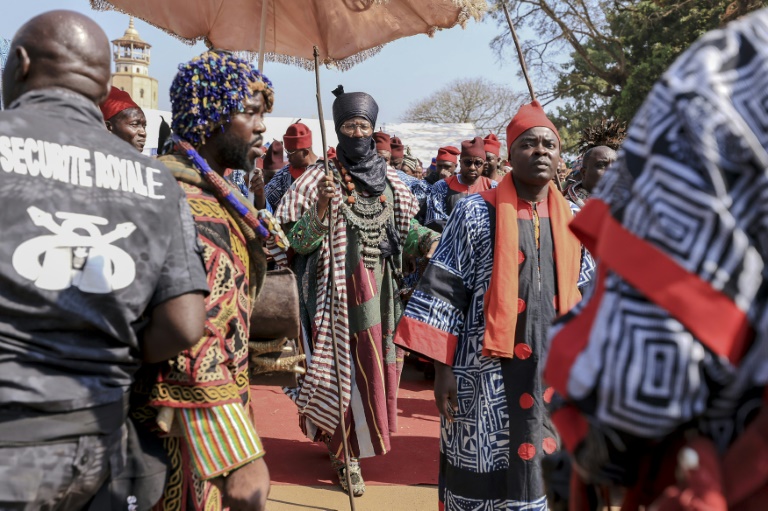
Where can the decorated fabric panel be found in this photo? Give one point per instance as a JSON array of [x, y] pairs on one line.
[[445, 194], [317, 395], [690, 184], [491, 453], [587, 269], [214, 371], [277, 186]]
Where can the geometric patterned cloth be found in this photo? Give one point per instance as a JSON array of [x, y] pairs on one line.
[[490, 455], [318, 397], [444, 195], [207, 385], [690, 188]]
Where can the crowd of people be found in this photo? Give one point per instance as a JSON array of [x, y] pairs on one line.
[[588, 332]]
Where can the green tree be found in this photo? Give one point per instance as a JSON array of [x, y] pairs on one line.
[[613, 51]]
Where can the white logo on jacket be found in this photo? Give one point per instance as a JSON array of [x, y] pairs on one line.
[[76, 254]]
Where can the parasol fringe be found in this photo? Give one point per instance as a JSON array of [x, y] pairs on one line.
[[106, 5], [470, 9], [342, 65]]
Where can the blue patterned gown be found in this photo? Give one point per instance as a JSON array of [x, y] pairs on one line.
[[490, 456]]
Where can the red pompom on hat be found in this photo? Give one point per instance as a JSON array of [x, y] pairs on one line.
[[492, 144], [117, 101], [297, 136], [397, 148], [474, 147], [273, 160], [448, 153], [529, 116], [383, 141]]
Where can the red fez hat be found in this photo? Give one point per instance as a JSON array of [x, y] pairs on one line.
[[382, 141], [273, 160], [117, 101], [529, 116], [297, 136], [397, 148], [492, 144], [449, 153], [474, 147]]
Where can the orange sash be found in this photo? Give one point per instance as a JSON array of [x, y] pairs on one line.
[[501, 297]]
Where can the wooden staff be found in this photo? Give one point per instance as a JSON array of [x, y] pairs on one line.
[[263, 33], [519, 51], [332, 290]]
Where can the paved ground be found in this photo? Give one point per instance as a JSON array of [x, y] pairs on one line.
[[376, 498]]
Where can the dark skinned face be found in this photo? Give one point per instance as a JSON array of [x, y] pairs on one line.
[[131, 126], [396, 162], [385, 154], [599, 159], [535, 156], [445, 168], [300, 158], [238, 146], [471, 168], [491, 164]]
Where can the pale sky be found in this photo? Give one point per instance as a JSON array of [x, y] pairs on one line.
[[405, 71]]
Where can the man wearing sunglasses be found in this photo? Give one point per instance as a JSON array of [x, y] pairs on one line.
[[446, 193]]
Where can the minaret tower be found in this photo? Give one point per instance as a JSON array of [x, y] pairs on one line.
[[131, 56]]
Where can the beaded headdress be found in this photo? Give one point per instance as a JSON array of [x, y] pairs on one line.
[[210, 88]]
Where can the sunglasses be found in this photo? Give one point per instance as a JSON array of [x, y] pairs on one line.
[[472, 163]]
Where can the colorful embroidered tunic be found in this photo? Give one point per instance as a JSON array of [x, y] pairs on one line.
[[445, 194], [490, 456], [208, 385], [367, 310]]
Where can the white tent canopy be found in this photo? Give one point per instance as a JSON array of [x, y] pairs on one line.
[[424, 139]]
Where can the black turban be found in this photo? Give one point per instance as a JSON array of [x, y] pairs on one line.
[[353, 104]]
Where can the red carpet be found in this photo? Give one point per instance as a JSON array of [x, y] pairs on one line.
[[293, 459]]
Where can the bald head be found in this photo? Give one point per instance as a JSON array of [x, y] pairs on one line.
[[58, 49], [594, 165]]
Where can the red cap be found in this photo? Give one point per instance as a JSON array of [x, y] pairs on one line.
[[492, 144], [331, 153], [117, 101], [474, 147], [529, 116], [273, 160], [449, 153], [397, 148], [297, 136], [382, 141]]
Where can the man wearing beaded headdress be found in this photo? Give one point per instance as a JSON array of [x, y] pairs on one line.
[[505, 267], [218, 102], [372, 211]]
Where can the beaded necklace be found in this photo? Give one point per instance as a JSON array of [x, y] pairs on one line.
[[368, 216]]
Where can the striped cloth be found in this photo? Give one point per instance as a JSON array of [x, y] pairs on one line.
[[317, 398], [220, 438]]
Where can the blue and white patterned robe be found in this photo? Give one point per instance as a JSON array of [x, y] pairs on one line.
[[490, 455]]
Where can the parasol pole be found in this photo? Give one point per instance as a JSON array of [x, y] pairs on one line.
[[332, 285], [519, 51], [263, 33]]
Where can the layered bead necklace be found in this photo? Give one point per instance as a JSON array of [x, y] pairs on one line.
[[368, 216]]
